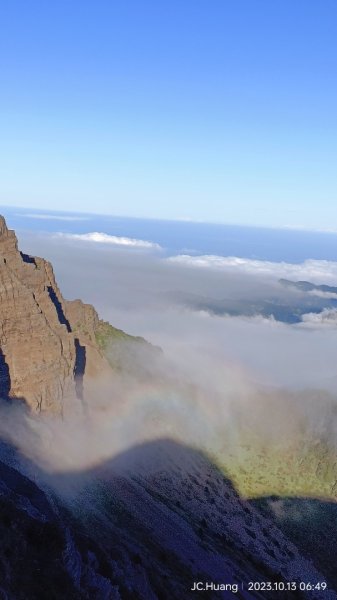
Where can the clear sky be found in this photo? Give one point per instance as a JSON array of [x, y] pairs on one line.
[[217, 110]]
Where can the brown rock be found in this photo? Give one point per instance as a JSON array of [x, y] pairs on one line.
[[47, 344]]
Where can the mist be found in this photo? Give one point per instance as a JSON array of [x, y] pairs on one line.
[[218, 381], [148, 294]]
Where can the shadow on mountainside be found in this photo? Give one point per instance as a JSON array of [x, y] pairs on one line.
[[79, 369], [144, 525], [33, 538], [58, 307], [80, 351], [5, 380], [5, 383], [310, 524], [28, 259]]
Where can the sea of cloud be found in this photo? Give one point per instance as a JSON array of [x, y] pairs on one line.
[[142, 291], [215, 372], [316, 271]]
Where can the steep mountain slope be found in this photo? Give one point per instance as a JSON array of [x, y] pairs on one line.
[[145, 526], [48, 346]]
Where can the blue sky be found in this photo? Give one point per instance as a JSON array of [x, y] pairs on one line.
[[217, 110]]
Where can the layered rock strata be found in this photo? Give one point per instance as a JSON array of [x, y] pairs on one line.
[[47, 344]]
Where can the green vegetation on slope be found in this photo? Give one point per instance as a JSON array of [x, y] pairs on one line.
[[106, 336], [304, 468], [125, 353]]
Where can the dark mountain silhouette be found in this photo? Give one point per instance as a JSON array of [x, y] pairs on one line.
[[145, 524], [310, 524], [307, 286], [287, 309]]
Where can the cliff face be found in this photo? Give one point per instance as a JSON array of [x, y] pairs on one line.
[[44, 355]]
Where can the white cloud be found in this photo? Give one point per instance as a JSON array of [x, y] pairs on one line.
[[320, 294], [332, 230], [317, 271], [104, 238], [327, 317], [47, 217]]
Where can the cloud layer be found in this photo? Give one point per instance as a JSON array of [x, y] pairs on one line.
[[317, 271], [172, 303], [103, 238], [50, 217], [221, 383]]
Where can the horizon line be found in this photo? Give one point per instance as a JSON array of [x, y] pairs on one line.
[[48, 212]]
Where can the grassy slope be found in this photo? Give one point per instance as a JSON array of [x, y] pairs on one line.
[[304, 468]]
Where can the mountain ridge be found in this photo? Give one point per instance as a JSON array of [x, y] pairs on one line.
[[49, 347]]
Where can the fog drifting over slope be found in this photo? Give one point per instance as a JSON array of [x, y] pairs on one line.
[[142, 292], [219, 378]]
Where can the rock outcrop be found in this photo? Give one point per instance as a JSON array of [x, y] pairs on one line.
[[48, 345]]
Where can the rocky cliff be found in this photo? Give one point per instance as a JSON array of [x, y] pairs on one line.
[[49, 346]]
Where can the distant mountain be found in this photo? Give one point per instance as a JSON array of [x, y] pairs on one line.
[[307, 286], [287, 308]]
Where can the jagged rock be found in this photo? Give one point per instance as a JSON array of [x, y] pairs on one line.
[[84, 322], [48, 345]]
